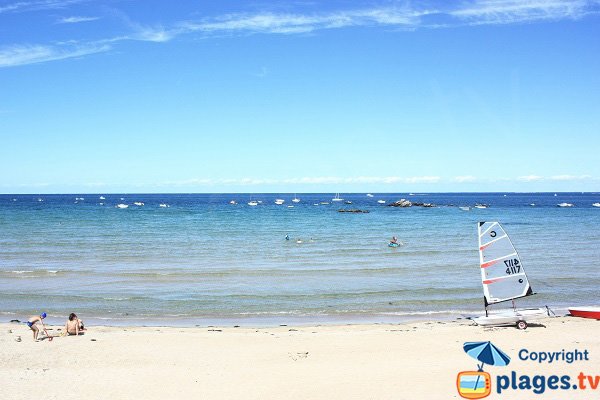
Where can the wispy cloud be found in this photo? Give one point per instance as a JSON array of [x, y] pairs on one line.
[[30, 54], [559, 178], [291, 23], [464, 179], [517, 11], [398, 15], [24, 6], [570, 177], [529, 178], [76, 20], [322, 180]]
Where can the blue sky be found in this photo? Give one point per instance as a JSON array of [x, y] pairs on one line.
[[299, 96]]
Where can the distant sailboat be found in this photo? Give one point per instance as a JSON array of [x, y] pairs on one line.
[[503, 278], [381, 201], [337, 198], [295, 199], [369, 195], [279, 201]]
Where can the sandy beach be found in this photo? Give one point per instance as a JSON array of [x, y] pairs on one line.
[[377, 361]]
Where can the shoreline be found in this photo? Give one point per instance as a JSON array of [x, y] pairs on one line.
[[273, 320], [379, 361]]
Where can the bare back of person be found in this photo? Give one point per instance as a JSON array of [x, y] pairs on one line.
[[72, 327]]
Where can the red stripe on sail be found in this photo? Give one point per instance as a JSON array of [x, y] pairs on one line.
[[490, 281], [487, 264], [484, 246]]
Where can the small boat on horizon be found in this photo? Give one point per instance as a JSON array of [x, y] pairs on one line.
[[253, 203], [121, 205], [381, 201], [138, 203], [564, 205], [233, 202], [295, 199], [279, 201], [164, 205], [596, 205], [481, 206], [465, 208], [369, 195], [337, 198]]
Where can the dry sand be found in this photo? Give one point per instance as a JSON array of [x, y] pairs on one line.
[[377, 361]]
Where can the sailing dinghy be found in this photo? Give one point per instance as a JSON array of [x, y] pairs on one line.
[[503, 278]]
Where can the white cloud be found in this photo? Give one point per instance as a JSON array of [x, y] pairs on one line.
[[23, 6], [515, 11], [30, 54], [75, 20], [300, 23], [156, 34], [399, 16], [322, 180], [530, 178], [464, 179], [570, 177]]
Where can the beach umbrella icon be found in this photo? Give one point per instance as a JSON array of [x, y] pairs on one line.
[[486, 353]]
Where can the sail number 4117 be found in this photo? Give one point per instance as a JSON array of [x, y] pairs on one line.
[[512, 266]]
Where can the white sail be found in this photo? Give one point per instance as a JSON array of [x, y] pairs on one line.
[[502, 273]]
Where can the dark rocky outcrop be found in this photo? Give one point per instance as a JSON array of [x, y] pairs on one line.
[[407, 203]]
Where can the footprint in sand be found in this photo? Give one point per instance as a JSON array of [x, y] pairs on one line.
[[298, 356]]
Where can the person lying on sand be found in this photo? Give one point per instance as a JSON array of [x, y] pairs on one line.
[[74, 325], [31, 323]]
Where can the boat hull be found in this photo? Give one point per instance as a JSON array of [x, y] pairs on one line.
[[585, 312], [511, 317]]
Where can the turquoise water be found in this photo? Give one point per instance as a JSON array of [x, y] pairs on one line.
[[203, 260]]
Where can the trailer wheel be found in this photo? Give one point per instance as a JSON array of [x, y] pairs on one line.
[[521, 325]]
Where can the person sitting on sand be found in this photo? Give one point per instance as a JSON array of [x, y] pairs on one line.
[[32, 321], [73, 325]]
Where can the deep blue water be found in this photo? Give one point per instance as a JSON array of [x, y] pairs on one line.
[[203, 259]]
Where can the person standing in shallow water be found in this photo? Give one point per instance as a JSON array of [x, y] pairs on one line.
[[32, 321]]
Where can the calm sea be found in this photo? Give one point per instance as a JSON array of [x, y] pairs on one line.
[[202, 260]]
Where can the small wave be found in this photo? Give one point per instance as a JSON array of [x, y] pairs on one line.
[[22, 272]]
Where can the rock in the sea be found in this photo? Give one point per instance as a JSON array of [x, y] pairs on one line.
[[401, 203], [408, 203]]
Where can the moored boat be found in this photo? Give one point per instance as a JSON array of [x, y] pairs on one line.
[[565, 205], [585, 312]]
